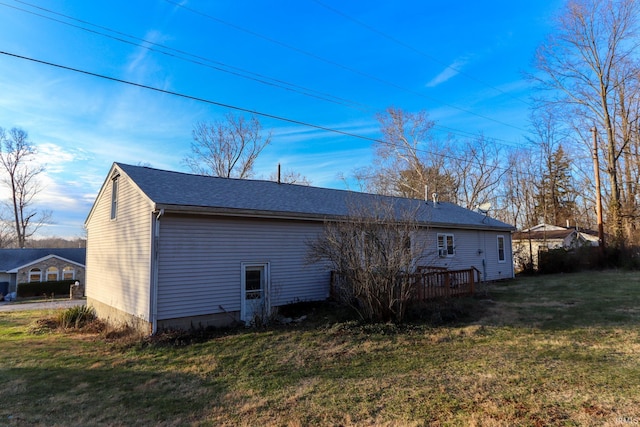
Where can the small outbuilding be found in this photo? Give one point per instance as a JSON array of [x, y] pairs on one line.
[[169, 249], [528, 243]]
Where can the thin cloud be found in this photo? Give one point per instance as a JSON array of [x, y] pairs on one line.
[[448, 73]]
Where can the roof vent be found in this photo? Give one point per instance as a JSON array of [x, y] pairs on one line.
[[435, 199]]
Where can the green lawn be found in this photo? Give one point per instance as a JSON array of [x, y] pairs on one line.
[[555, 350]]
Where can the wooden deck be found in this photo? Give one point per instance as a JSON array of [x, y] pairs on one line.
[[431, 283]]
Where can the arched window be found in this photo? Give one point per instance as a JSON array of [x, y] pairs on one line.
[[68, 273], [35, 275], [52, 274]]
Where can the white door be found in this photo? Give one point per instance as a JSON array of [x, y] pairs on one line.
[[255, 284]]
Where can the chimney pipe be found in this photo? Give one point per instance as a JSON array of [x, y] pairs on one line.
[[435, 200], [278, 173]]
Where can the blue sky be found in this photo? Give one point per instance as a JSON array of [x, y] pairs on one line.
[[330, 63]]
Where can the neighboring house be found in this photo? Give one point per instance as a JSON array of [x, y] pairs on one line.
[[168, 249], [528, 243], [40, 265]]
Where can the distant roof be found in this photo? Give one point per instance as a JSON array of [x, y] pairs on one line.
[[14, 258], [553, 232], [543, 235], [176, 190]]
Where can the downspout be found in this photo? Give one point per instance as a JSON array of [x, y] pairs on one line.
[[154, 270]]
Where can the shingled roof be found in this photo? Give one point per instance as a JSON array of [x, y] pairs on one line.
[[176, 191], [11, 259]]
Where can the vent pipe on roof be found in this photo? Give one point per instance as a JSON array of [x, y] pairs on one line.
[[435, 200], [278, 173], [426, 193]]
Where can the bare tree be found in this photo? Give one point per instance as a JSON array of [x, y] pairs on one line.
[[478, 171], [227, 148], [372, 251], [7, 230], [517, 196], [408, 158], [584, 65], [17, 157]]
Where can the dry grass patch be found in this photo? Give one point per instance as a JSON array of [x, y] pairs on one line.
[[531, 359]]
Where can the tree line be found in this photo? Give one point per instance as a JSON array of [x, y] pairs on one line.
[[588, 77], [588, 80]]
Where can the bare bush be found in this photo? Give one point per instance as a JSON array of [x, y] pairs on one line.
[[372, 253]]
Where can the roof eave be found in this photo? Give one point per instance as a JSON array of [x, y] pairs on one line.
[[250, 213]]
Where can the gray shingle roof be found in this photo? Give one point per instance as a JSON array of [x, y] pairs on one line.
[[167, 189], [13, 258]]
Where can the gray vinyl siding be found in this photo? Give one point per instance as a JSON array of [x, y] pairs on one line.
[[199, 263], [119, 251], [472, 247]]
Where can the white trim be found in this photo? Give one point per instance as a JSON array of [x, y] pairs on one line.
[[46, 274], [504, 248], [445, 246], [115, 190], [73, 270], [267, 285], [31, 271], [44, 258]]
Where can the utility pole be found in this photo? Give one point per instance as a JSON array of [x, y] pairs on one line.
[[596, 170]]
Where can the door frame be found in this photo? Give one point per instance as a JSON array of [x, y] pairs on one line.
[[265, 265]]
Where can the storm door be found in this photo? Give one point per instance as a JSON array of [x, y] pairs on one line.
[[255, 286]]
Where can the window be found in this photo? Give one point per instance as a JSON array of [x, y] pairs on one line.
[[68, 273], [35, 275], [52, 274], [114, 197], [446, 247], [501, 253]]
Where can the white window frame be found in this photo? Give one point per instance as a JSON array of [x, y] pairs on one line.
[[114, 197], [32, 272], [444, 246], [46, 272], [66, 270], [504, 248]]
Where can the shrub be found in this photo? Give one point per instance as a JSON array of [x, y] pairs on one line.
[[76, 317], [34, 289]]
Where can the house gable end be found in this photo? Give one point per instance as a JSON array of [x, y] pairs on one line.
[[115, 172], [45, 258]]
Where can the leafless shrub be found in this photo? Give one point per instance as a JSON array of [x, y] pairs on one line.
[[371, 252]]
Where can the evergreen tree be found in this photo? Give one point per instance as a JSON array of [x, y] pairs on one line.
[[555, 196]]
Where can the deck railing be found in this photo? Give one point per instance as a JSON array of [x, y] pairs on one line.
[[430, 282]]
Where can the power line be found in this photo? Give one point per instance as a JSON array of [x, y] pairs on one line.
[[190, 97], [236, 108], [334, 63], [219, 66], [198, 60], [416, 50]]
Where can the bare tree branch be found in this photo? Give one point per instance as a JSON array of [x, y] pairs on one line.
[[227, 148], [17, 158]]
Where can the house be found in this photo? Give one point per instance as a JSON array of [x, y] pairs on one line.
[[168, 249], [529, 242], [40, 265]]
